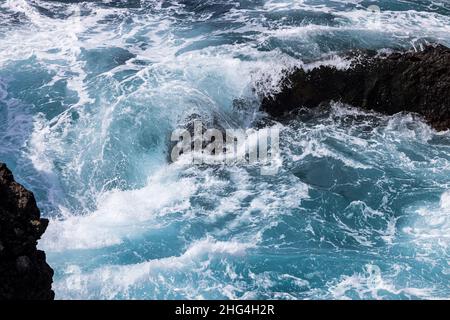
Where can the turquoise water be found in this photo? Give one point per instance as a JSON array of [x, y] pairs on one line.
[[91, 91]]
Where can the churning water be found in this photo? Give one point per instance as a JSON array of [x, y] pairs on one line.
[[91, 91]]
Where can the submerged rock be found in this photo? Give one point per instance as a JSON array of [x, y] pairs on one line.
[[24, 273], [416, 82]]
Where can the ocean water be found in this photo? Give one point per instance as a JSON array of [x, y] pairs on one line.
[[90, 92]]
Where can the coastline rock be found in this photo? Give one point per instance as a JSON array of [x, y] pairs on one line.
[[24, 273], [416, 82]]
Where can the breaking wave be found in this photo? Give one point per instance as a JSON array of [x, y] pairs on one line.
[[90, 92]]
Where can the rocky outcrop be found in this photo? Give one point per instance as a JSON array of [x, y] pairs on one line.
[[416, 82], [24, 273]]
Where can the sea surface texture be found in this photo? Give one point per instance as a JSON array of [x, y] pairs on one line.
[[91, 91]]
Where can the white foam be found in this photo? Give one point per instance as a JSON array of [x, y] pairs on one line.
[[121, 281], [177, 80], [445, 201], [277, 5], [120, 214], [429, 226], [400, 23], [373, 284], [334, 60]]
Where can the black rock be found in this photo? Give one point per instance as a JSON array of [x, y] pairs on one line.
[[416, 82], [24, 273]]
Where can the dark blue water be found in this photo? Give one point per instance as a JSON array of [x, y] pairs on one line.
[[90, 92]]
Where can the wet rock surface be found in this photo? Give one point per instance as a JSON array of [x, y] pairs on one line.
[[417, 82], [24, 272]]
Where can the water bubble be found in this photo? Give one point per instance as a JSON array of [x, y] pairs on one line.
[[374, 9]]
